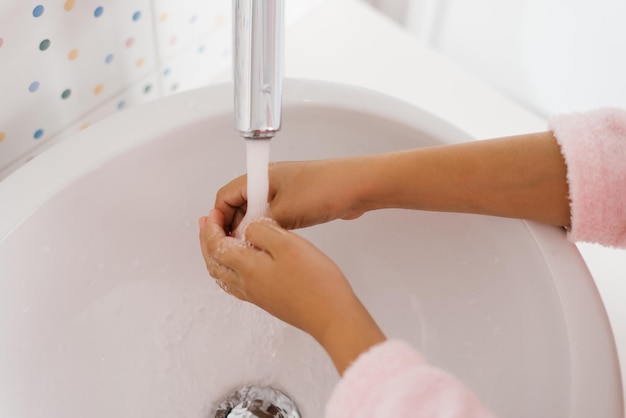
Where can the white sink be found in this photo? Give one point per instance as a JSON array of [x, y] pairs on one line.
[[106, 309]]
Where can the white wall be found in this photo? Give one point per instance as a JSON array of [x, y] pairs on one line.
[[552, 55]]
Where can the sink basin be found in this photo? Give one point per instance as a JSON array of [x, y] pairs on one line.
[[106, 309]]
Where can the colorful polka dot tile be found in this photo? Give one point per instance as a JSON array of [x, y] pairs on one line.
[[74, 62], [71, 57]]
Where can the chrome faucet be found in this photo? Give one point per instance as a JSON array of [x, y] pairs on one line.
[[258, 29]]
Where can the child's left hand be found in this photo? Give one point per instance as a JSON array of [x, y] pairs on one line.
[[291, 279]]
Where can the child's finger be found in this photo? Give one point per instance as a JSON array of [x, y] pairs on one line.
[[212, 232], [218, 248], [267, 236]]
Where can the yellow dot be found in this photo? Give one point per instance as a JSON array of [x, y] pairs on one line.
[[73, 54], [139, 63], [164, 17], [2, 136], [69, 5], [84, 126], [98, 89]]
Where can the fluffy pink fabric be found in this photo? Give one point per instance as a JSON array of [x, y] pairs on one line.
[[393, 380], [594, 147]]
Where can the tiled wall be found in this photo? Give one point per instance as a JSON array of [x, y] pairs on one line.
[[64, 64]]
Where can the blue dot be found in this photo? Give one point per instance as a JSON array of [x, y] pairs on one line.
[[136, 16], [98, 12], [38, 134], [34, 86], [38, 11], [201, 49], [166, 72], [121, 105], [108, 58]]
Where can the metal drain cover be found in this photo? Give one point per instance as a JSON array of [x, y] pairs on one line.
[[257, 402]]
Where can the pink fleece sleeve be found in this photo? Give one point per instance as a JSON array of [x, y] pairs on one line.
[[594, 147], [393, 380]]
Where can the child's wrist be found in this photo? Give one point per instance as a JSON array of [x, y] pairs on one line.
[[352, 332]]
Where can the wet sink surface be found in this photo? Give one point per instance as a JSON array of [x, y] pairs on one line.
[[106, 308]]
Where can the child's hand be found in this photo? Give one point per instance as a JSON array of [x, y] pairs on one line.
[[301, 193], [291, 279]]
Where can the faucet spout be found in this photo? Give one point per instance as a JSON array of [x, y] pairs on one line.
[[258, 31]]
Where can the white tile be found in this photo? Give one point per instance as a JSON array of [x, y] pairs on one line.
[[141, 91], [199, 64], [64, 61], [57, 67], [181, 23]]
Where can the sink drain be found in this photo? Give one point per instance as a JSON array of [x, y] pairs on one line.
[[257, 402]]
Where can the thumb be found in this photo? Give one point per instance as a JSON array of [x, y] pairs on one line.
[[266, 235]]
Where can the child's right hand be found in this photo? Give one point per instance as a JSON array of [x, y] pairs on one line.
[[291, 279], [301, 193]]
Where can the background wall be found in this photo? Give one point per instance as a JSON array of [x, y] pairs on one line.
[[64, 64], [553, 56]]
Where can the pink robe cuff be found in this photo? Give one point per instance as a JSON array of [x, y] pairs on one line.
[[594, 147], [393, 380]]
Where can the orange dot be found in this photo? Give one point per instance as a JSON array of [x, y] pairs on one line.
[[139, 63], [2, 136], [73, 54], [98, 89], [164, 17], [84, 126], [69, 5]]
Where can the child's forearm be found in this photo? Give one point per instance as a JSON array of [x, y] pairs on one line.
[[519, 177], [349, 335]]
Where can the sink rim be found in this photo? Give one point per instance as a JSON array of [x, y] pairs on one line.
[[28, 187], [593, 351]]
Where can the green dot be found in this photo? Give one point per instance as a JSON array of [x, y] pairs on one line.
[[66, 93], [45, 44]]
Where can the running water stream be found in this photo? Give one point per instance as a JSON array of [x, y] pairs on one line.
[[257, 161]]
